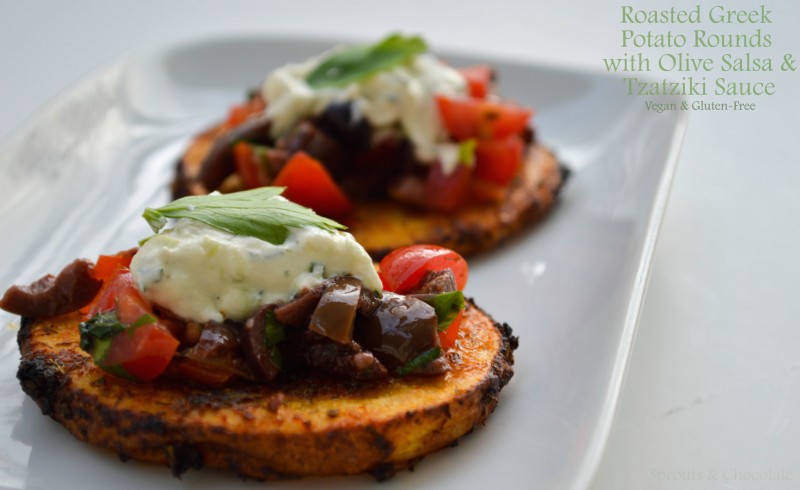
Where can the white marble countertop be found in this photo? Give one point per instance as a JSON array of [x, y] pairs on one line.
[[712, 392]]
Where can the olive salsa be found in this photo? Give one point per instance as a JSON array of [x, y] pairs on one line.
[[387, 121], [246, 286]]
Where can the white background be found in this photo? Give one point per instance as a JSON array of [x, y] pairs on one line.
[[711, 397]]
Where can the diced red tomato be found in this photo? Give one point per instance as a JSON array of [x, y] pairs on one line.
[[497, 160], [107, 265], [118, 293], [448, 337], [241, 112], [447, 192], [249, 166], [309, 184], [106, 297], [466, 117], [403, 269], [130, 305], [144, 352], [479, 80]]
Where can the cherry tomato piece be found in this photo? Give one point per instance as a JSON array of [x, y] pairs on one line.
[[118, 290], [107, 265], [130, 305], [106, 268], [479, 80], [309, 184], [447, 192], [144, 351], [249, 166], [466, 117], [241, 112], [403, 269], [447, 338], [497, 160], [106, 297]]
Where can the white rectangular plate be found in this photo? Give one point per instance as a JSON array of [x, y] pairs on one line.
[[76, 179]]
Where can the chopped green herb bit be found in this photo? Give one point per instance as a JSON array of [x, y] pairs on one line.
[[103, 326], [275, 356], [447, 306], [145, 319], [274, 333], [253, 93], [98, 332], [419, 361], [275, 330], [466, 152], [354, 63]]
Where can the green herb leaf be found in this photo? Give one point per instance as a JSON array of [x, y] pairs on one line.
[[353, 63], [100, 327], [466, 152], [275, 330], [419, 361], [275, 333], [98, 332], [447, 306], [275, 357], [145, 319], [257, 213]]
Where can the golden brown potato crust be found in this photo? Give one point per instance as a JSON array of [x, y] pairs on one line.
[[476, 227], [299, 427], [384, 226]]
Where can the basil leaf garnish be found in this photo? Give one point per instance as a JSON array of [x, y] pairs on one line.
[[258, 213], [419, 361], [353, 63]]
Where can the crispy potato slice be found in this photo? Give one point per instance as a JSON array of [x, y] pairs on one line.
[[476, 227], [384, 226], [297, 427]]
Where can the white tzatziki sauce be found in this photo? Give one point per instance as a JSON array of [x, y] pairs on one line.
[[402, 96], [202, 274]]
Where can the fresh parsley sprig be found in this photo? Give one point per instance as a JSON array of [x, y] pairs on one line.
[[353, 63], [258, 213]]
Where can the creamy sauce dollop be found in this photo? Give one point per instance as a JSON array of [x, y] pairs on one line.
[[201, 273], [401, 97]]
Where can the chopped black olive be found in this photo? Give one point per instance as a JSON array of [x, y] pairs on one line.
[[399, 331], [336, 310], [339, 121]]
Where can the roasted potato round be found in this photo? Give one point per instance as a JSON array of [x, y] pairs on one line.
[[296, 427], [386, 225]]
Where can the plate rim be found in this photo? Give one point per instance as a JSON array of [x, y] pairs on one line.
[[597, 445]]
